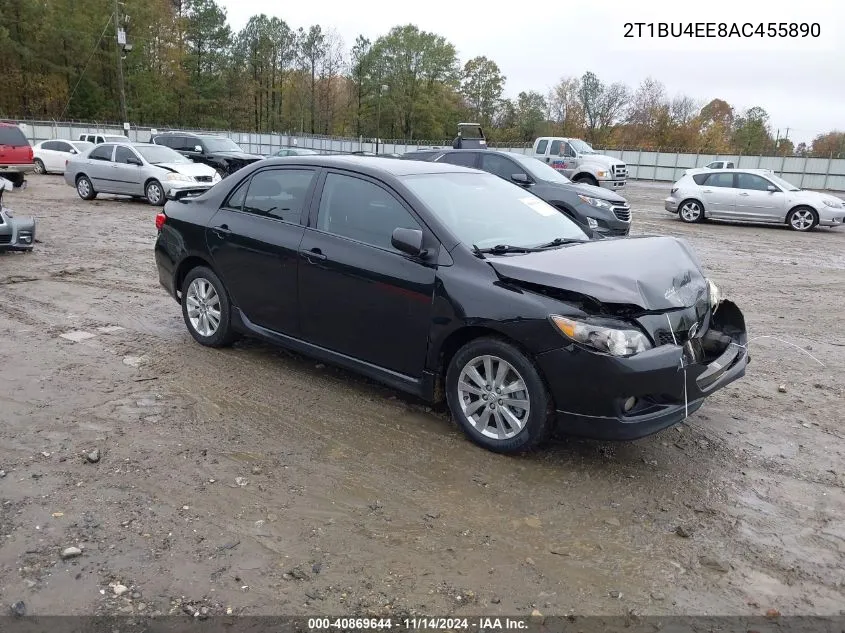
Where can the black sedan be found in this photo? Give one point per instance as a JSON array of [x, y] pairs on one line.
[[451, 283], [600, 210]]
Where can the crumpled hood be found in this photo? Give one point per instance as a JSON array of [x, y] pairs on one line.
[[239, 155], [652, 273], [189, 169]]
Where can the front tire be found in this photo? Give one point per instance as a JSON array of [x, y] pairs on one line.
[[691, 211], [802, 219], [85, 188], [586, 180], [40, 169], [154, 193], [496, 394], [206, 308]]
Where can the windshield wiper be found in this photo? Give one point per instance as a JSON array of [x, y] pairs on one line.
[[560, 241], [505, 248]]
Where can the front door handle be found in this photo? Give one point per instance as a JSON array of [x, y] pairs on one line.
[[707, 191], [221, 231], [315, 254], [743, 194]]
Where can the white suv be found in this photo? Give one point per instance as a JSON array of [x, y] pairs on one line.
[[752, 195]]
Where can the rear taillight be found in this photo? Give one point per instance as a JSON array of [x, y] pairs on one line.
[[160, 220]]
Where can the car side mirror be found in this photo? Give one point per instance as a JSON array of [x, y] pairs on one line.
[[521, 179], [198, 149], [73, 151], [772, 188], [134, 160], [408, 241]]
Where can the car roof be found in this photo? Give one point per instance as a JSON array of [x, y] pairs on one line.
[[372, 165]]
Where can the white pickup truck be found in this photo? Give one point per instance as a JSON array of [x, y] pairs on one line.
[[579, 162]]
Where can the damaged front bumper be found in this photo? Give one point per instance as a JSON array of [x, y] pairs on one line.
[[611, 398]]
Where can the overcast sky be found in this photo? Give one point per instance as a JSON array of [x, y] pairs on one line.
[[800, 82]]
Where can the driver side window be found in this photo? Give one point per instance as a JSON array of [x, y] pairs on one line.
[[568, 151], [500, 166]]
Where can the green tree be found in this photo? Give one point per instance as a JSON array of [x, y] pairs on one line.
[[482, 84], [751, 132]]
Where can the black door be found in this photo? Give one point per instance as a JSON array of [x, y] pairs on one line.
[[358, 295], [254, 240]]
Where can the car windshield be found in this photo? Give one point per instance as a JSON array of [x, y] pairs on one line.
[[484, 210], [158, 154], [538, 169], [581, 147], [81, 146], [221, 145], [780, 182]]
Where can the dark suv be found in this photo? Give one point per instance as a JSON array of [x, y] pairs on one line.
[[604, 212], [219, 152], [15, 154]]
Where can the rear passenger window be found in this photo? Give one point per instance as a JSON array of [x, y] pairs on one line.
[[720, 180], [541, 146], [279, 193], [362, 211]]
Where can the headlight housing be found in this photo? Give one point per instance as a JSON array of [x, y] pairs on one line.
[[616, 341], [715, 294], [832, 203], [591, 222], [596, 202], [179, 177]]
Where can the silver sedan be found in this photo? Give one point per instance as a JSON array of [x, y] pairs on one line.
[[141, 170]]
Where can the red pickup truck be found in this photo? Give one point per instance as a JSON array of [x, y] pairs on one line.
[[15, 154]]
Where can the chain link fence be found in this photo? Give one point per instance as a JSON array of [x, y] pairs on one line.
[[651, 165]]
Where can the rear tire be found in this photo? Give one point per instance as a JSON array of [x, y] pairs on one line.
[[497, 396], [85, 188], [802, 219], [40, 169], [206, 308], [691, 211]]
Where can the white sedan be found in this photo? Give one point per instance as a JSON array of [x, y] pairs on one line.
[[51, 156], [752, 195]]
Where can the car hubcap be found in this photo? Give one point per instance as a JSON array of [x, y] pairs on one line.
[[153, 193], [203, 305], [690, 211], [83, 187], [802, 220], [39, 167], [494, 397]]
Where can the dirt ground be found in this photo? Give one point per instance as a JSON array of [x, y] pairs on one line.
[[259, 481]]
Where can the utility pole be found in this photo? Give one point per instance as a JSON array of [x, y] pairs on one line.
[[120, 43]]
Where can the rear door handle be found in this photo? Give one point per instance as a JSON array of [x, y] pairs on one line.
[[221, 231], [315, 254], [708, 191]]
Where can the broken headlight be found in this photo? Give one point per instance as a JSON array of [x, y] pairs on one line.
[[616, 341], [715, 294]]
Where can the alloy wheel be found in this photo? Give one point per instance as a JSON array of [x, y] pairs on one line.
[[203, 307], [154, 193], [802, 220], [39, 167], [494, 397], [83, 188], [690, 211]]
